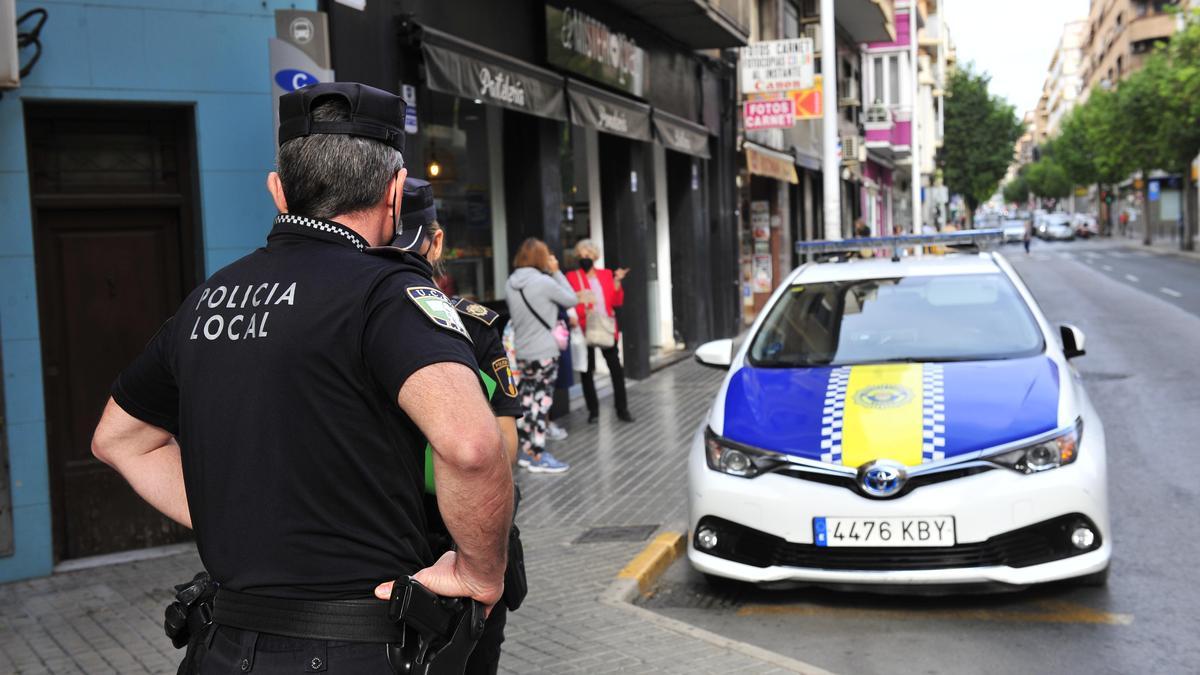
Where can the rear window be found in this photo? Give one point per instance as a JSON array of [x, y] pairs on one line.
[[966, 317]]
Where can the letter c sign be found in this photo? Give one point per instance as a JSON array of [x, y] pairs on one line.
[[291, 79]]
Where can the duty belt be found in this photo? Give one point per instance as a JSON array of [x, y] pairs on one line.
[[344, 620]]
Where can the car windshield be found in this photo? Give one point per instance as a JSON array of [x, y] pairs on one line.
[[967, 317]]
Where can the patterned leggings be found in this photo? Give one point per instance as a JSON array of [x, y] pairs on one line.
[[537, 394]]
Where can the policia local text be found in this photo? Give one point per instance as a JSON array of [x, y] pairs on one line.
[[240, 326]]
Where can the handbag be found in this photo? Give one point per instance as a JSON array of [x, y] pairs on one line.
[[579, 351], [559, 331], [601, 328]]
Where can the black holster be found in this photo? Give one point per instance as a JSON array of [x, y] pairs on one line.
[[515, 584], [187, 620], [439, 633]]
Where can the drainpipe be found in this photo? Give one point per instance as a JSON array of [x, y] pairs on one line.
[[914, 143], [831, 165]]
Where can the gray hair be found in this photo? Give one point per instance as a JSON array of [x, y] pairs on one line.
[[326, 175], [588, 244]]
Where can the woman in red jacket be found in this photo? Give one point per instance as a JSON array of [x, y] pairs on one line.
[[601, 292]]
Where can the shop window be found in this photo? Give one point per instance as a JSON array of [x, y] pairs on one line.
[[453, 152], [894, 80], [576, 211]]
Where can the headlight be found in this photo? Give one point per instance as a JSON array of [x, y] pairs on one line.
[[1043, 456], [735, 459]]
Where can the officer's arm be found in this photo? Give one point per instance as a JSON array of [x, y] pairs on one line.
[[508, 433], [146, 456], [473, 478]]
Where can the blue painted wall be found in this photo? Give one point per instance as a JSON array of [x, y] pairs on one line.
[[210, 53]]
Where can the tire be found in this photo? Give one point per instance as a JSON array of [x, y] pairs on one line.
[[1093, 580]]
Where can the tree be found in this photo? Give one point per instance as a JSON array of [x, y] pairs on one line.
[[1016, 191], [1047, 179], [1140, 102], [979, 135]]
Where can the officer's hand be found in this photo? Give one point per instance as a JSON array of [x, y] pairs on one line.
[[448, 578]]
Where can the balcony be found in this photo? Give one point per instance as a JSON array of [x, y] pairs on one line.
[[888, 131], [699, 24], [1152, 27], [867, 20]]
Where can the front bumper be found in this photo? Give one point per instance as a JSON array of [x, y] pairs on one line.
[[1004, 523]]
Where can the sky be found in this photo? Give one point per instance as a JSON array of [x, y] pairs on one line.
[[1013, 40]]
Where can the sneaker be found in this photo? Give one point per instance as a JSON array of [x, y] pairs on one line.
[[547, 464], [524, 459], [556, 433]]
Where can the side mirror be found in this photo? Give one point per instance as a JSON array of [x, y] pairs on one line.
[[1072, 341], [715, 354]]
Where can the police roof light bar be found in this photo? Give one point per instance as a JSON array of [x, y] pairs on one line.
[[965, 238]]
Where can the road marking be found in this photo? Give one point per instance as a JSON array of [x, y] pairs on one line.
[[1106, 268], [1048, 611], [1131, 278], [1171, 292]]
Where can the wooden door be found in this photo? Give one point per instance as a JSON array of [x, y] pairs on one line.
[[114, 255]]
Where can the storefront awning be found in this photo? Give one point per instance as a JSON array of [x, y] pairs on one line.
[[676, 133], [457, 67], [598, 109], [762, 161], [806, 161]]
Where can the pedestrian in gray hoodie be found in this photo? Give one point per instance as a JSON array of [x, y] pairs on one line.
[[535, 291]]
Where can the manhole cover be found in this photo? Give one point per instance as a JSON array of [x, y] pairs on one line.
[[618, 533]]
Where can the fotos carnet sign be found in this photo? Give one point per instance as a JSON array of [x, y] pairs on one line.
[[773, 114], [777, 65]]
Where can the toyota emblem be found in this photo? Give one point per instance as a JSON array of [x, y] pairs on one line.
[[882, 478]]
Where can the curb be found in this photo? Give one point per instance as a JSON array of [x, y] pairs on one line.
[[640, 575], [645, 569]]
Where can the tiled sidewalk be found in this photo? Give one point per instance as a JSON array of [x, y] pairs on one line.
[[109, 619]]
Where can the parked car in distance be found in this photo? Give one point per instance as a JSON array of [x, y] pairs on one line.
[[1014, 230], [1085, 225], [1056, 227]]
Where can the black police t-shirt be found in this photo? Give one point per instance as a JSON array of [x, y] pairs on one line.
[[493, 362], [279, 376]]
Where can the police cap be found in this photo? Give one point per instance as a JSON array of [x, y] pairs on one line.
[[417, 213], [374, 113]]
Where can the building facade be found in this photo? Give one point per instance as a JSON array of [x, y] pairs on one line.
[[572, 120], [780, 184], [132, 165], [1065, 79], [1120, 33]]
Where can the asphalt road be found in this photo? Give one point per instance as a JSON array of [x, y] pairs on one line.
[[1141, 368]]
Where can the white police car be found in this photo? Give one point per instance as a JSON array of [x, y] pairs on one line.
[[905, 421]]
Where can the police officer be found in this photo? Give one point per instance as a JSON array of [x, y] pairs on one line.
[[423, 235], [283, 412]]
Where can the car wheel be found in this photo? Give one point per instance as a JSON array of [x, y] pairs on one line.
[[1094, 580]]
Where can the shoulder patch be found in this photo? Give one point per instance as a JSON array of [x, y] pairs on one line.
[[475, 310], [434, 305], [504, 376]]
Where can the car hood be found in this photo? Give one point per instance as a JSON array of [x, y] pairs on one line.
[[910, 413]]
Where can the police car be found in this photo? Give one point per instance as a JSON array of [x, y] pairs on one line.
[[901, 420]]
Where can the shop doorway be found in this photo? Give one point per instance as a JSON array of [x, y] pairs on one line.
[[691, 279], [623, 205], [115, 252]]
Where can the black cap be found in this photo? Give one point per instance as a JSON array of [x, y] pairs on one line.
[[417, 213], [374, 113]]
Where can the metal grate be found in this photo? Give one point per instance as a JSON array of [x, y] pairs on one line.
[[597, 535]]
